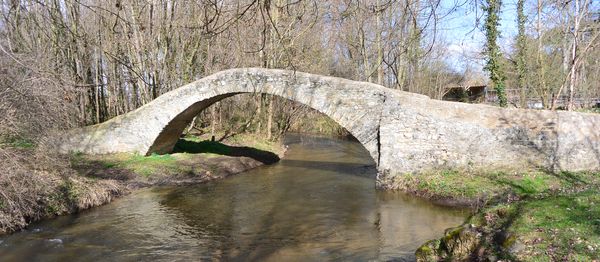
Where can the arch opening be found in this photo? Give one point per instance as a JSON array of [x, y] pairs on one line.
[[171, 133]]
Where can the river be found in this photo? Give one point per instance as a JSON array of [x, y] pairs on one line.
[[318, 203]]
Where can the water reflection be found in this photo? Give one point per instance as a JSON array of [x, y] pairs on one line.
[[319, 203]]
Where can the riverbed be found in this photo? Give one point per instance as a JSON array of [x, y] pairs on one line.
[[318, 203]]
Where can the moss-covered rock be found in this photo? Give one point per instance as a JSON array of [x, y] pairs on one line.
[[458, 244], [430, 251]]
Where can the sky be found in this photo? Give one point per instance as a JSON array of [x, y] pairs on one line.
[[465, 40]]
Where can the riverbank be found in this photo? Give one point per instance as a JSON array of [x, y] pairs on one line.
[[520, 216], [36, 186], [195, 159], [318, 203]]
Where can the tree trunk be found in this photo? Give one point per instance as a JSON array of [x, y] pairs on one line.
[[270, 118], [379, 46]]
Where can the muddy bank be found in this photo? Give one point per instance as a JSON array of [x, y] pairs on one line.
[[35, 186]]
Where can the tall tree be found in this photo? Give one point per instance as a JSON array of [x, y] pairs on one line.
[[580, 37], [541, 79], [521, 52], [492, 51]]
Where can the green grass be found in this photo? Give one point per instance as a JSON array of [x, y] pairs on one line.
[[69, 190], [578, 178], [147, 165], [486, 186], [196, 144], [248, 145], [142, 165], [525, 184], [589, 110], [453, 184], [550, 217], [16, 142], [191, 159], [190, 148], [560, 227], [189, 153], [457, 184]]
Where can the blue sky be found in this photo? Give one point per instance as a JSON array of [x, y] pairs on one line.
[[465, 40]]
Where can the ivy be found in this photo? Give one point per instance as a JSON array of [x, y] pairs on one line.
[[492, 51]]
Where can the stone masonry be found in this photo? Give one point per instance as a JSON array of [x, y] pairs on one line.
[[403, 132]]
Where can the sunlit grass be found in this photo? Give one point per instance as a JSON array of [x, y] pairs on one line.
[[142, 165], [548, 216], [487, 185], [573, 220], [190, 156], [221, 147], [559, 227]]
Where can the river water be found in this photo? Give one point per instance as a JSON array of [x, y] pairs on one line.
[[318, 203]]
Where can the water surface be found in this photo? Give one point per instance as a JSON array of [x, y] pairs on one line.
[[318, 203]]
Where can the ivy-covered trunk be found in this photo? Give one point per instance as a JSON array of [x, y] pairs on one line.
[[521, 51], [492, 51]]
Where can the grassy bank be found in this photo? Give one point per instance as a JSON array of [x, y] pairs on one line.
[[478, 189], [194, 160], [532, 216], [35, 185]]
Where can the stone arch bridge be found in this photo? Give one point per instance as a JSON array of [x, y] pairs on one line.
[[403, 132]]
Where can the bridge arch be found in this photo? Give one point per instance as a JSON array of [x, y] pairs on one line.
[[171, 132], [156, 126]]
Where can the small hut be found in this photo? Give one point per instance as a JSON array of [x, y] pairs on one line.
[[467, 94]]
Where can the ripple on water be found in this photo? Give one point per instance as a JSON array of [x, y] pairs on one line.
[[319, 205]]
